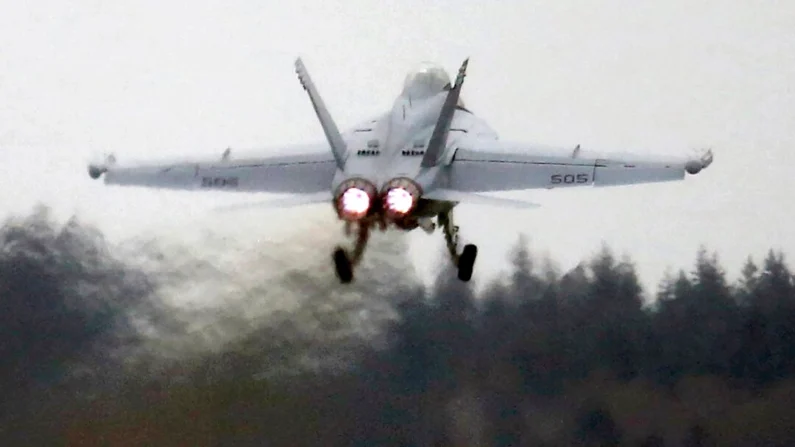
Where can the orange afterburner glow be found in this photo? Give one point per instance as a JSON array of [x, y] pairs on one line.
[[355, 198], [400, 196]]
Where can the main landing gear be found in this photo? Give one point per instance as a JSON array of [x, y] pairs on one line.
[[465, 260], [345, 261]]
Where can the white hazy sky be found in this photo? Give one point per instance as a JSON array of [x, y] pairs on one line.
[[151, 78]]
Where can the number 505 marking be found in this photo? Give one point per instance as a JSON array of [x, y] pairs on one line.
[[569, 179]]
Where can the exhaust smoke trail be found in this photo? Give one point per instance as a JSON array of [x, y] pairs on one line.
[[82, 313], [228, 284]]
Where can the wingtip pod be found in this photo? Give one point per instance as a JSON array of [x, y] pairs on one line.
[[702, 162], [95, 170], [707, 157]]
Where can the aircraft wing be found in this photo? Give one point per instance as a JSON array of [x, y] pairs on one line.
[[305, 169], [486, 165]]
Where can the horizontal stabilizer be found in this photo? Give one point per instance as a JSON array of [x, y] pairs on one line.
[[450, 195], [281, 202]]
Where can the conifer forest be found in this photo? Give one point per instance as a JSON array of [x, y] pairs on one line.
[[92, 354]]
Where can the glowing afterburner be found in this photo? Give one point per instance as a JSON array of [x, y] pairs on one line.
[[355, 199], [399, 201], [400, 197]]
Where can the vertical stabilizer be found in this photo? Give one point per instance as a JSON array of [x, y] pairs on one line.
[[335, 140], [438, 139]]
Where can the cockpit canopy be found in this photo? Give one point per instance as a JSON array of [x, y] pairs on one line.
[[425, 80]]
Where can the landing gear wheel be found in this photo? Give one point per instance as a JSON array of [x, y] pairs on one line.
[[343, 266], [345, 261], [466, 262]]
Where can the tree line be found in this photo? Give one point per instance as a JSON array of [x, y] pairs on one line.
[[540, 357]]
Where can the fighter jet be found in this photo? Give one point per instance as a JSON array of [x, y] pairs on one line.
[[404, 169]]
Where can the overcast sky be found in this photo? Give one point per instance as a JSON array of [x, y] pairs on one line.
[[151, 78]]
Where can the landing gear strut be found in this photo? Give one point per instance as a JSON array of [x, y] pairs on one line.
[[465, 261], [345, 261]]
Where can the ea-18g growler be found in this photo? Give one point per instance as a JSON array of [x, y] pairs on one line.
[[404, 169]]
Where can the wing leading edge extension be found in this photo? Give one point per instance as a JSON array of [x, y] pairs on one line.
[[491, 165]]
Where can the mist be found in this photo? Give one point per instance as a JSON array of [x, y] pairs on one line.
[[212, 337], [83, 316]]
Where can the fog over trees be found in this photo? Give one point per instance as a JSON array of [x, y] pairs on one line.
[[93, 355]]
